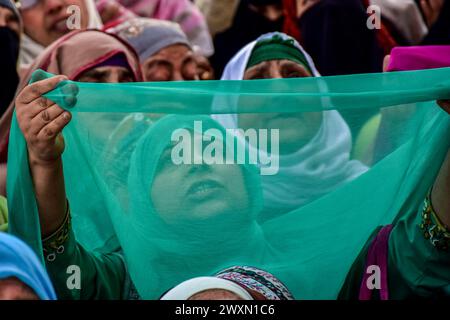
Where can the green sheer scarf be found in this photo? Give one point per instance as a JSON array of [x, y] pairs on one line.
[[119, 168]]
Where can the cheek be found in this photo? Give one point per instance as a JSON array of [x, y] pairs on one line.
[[165, 190], [14, 27], [231, 176], [33, 20], [250, 121]]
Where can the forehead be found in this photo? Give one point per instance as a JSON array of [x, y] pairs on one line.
[[215, 294], [269, 64], [14, 289], [175, 51], [6, 11], [108, 69]]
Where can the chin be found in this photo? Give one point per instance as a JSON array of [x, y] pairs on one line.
[[211, 209], [292, 142]]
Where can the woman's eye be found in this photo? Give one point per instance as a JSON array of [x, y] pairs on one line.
[[294, 74], [158, 74]]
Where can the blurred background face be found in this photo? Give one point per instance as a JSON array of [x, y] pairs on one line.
[[173, 63], [9, 20], [271, 12], [14, 289], [296, 130], [202, 191], [46, 20], [107, 75]]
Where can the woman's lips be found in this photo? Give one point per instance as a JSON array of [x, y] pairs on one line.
[[203, 189], [61, 25]]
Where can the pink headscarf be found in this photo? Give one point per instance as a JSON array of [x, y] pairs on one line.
[[419, 58], [183, 12]]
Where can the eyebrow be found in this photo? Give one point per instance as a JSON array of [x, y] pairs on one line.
[[187, 58], [286, 64], [159, 61], [259, 71]]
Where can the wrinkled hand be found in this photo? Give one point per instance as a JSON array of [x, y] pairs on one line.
[[42, 121], [431, 10]]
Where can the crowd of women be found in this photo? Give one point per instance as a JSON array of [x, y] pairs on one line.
[[127, 41]]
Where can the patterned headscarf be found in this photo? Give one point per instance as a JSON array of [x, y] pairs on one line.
[[256, 280]]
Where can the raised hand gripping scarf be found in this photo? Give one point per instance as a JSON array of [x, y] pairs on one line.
[[147, 169]]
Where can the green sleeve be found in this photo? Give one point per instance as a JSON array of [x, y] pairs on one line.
[[416, 267], [101, 276], [3, 214]]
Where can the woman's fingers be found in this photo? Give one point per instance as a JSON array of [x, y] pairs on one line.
[[386, 61], [37, 89], [54, 127], [35, 107], [44, 117]]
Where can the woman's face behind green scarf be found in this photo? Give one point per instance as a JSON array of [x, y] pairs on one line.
[[296, 129], [201, 191]]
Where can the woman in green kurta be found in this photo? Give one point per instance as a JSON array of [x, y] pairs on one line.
[[3, 214]]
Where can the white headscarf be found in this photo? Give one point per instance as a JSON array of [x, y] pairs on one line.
[[30, 49], [405, 16], [191, 287], [317, 168]]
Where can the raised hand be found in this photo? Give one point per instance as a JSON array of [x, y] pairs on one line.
[[41, 120]]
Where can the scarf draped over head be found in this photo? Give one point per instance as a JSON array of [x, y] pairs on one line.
[[277, 48], [72, 55], [10, 5], [148, 36], [405, 16], [320, 166], [19, 261], [30, 49], [183, 12], [190, 288]]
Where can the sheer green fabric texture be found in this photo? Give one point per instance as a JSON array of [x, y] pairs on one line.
[[160, 172]]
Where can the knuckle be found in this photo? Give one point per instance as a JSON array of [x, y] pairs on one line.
[[45, 116], [48, 132], [42, 101], [34, 90]]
